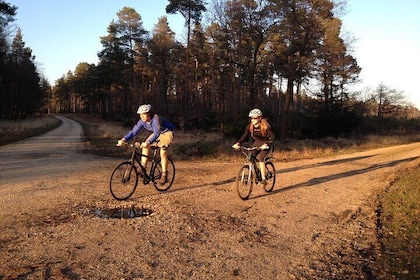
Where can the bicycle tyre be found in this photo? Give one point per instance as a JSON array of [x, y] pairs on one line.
[[270, 176], [123, 181], [244, 182], [157, 174]]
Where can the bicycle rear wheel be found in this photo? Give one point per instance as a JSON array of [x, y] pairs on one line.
[[270, 176], [123, 181], [244, 182], [157, 174]]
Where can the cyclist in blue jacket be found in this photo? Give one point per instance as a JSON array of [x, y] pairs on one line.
[[162, 131]]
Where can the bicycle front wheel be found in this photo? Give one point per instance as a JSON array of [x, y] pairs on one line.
[[156, 175], [244, 182], [270, 171], [123, 181]]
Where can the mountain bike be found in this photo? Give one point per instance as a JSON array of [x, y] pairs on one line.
[[125, 176], [250, 173]]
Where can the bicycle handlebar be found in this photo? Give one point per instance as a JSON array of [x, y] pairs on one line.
[[251, 148], [132, 145]]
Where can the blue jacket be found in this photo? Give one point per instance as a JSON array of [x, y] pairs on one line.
[[157, 125]]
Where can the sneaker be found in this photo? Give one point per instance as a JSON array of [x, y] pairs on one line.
[[163, 180], [264, 182]]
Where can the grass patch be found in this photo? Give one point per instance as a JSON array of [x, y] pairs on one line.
[[11, 131], [400, 227], [102, 136], [195, 150]]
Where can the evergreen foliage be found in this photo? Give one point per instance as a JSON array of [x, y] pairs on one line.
[[22, 91]]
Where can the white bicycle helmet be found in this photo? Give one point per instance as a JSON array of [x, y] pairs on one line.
[[145, 108], [255, 113]]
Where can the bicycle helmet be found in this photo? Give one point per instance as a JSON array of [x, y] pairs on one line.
[[255, 113], [145, 108]]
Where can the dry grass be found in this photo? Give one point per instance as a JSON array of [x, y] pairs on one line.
[[303, 149], [11, 131]]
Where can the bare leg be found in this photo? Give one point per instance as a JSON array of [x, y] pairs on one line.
[[262, 168], [145, 152], [164, 160], [164, 163]]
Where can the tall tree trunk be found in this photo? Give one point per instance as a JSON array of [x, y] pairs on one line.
[[288, 104]]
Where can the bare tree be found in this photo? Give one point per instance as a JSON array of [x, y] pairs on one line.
[[389, 100]]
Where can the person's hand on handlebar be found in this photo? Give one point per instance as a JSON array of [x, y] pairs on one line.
[[236, 146], [121, 142], [264, 147], [141, 145]]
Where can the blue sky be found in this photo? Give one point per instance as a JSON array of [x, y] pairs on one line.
[[64, 33], [388, 43]]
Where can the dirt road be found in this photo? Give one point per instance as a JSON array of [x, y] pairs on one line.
[[318, 223]]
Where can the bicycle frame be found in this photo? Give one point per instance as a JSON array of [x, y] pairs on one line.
[[250, 173], [124, 177], [251, 160], [136, 157]]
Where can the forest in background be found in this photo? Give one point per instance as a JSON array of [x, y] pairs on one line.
[[286, 57]]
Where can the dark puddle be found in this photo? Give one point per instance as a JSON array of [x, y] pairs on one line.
[[123, 213]]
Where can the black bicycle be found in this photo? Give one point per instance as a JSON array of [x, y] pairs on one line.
[[250, 173], [125, 176]]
